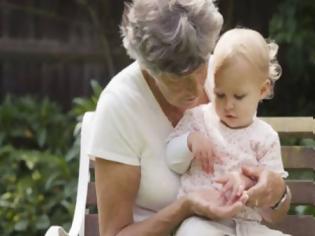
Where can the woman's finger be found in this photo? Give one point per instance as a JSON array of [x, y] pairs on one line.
[[251, 172]]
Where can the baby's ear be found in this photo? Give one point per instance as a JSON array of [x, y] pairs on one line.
[[265, 89]]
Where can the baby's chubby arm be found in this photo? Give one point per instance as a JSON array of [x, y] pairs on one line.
[[193, 145]]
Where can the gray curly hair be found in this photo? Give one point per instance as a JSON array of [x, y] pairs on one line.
[[173, 36]]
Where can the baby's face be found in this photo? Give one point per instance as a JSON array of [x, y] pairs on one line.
[[237, 92]]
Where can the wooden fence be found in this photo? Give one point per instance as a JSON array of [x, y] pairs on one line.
[[50, 48], [55, 47]]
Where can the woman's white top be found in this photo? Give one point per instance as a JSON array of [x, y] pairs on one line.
[[130, 128]]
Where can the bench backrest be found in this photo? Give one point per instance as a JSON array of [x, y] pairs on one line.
[[299, 158]]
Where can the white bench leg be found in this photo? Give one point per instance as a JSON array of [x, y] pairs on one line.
[[56, 231]]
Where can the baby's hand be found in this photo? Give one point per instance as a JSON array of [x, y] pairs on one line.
[[200, 146], [234, 185]]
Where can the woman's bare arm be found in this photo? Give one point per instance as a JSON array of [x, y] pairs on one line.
[[267, 192], [274, 216], [116, 187]]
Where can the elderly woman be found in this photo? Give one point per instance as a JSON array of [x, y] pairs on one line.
[[171, 41]]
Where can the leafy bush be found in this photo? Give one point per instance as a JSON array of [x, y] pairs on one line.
[[37, 189], [82, 105], [292, 26], [38, 165], [32, 124]]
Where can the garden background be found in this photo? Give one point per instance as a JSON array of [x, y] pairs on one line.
[[55, 58]]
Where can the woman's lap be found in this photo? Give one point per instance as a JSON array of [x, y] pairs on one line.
[[203, 227]]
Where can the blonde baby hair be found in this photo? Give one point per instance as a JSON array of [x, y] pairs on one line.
[[253, 48]]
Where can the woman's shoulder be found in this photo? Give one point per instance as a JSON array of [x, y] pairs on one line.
[[125, 89], [126, 80]]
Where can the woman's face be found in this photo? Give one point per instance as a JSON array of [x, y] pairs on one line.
[[183, 91]]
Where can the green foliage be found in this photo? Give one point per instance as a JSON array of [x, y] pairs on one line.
[[26, 122], [82, 105], [39, 163], [38, 166], [37, 189], [292, 26]]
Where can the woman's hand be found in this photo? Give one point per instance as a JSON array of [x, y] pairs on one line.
[[200, 146], [267, 191], [209, 203]]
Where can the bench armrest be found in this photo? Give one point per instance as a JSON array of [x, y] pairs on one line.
[[77, 226]]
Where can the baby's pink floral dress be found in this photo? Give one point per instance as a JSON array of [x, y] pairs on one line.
[[255, 145]]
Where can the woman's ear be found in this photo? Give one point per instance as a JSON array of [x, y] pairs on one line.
[[265, 89]]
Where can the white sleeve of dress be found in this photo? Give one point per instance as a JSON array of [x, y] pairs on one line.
[[178, 155], [270, 155]]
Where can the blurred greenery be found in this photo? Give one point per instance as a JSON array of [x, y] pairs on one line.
[[39, 150], [37, 188], [36, 124], [292, 27]]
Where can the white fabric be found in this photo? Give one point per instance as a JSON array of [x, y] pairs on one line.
[[131, 128], [203, 227], [255, 145], [176, 154]]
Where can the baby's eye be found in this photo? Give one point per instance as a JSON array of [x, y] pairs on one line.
[[239, 97], [219, 95]]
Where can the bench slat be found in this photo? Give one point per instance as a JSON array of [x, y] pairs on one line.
[[298, 157], [91, 195], [303, 191], [301, 126], [91, 225], [296, 225]]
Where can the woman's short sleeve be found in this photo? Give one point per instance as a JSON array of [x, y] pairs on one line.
[[113, 136]]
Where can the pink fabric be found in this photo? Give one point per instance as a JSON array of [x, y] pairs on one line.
[[255, 145]]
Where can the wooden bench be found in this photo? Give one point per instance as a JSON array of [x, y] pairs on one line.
[[294, 157]]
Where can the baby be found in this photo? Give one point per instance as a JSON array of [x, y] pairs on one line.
[[212, 142]]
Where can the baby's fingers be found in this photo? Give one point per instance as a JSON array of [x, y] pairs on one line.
[[221, 180], [240, 189], [205, 165], [235, 194], [211, 167]]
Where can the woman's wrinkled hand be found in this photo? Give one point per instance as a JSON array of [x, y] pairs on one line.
[[268, 189], [209, 203]]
